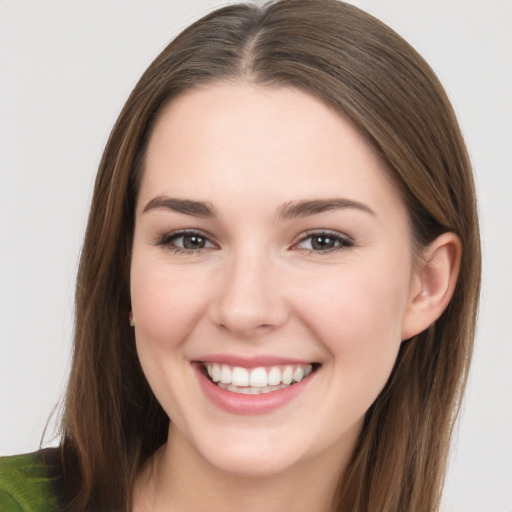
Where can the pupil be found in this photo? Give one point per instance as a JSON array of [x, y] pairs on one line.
[[322, 242], [193, 242]]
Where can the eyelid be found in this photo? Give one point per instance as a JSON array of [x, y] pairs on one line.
[[165, 240], [346, 241]]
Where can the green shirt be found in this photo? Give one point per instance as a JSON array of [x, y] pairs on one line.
[[31, 482]]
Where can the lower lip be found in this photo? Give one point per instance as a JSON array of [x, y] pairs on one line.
[[238, 403]]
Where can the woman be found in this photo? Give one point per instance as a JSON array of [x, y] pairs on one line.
[[282, 257]]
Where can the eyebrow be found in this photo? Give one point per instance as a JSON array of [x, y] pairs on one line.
[[185, 206], [289, 210], [304, 208]]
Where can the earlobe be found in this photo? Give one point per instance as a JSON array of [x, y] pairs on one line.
[[433, 284]]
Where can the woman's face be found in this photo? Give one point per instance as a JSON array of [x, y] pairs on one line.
[[271, 246]]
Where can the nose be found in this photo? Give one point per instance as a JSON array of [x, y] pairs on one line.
[[249, 301]]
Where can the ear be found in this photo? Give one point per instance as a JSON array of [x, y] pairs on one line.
[[432, 284]]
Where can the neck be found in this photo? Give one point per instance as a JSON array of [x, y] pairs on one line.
[[178, 478]]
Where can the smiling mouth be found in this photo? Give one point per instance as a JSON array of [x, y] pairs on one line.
[[256, 381]]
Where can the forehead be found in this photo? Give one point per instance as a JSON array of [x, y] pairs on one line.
[[256, 142]]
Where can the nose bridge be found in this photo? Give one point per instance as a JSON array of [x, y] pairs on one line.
[[249, 299]]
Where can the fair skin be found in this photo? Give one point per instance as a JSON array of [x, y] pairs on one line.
[[297, 252]]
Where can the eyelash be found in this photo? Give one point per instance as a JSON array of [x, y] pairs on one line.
[[168, 241], [341, 241]]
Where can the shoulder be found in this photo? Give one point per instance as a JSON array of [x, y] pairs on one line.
[[30, 482]]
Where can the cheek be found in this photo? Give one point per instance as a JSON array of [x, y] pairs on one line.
[[166, 308], [166, 305], [358, 320]]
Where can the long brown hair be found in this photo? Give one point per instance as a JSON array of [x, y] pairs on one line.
[[112, 422]]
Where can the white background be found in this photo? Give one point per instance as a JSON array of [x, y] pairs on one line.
[[66, 68]]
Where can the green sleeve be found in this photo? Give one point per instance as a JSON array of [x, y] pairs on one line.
[[25, 485]]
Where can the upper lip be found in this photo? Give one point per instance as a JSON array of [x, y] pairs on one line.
[[250, 362]]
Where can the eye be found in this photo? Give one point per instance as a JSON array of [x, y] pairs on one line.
[[187, 241], [324, 241]]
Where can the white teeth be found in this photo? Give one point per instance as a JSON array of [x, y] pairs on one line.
[[298, 374], [250, 390], [274, 376], [256, 380], [239, 377], [225, 374], [259, 378], [287, 376], [214, 371], [215, 375]]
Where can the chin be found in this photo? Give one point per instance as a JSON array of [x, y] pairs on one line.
[[250, 466], [257, 456]]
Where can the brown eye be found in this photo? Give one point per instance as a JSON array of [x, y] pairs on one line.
[[193, 242], [185, 241], [324, 242]]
